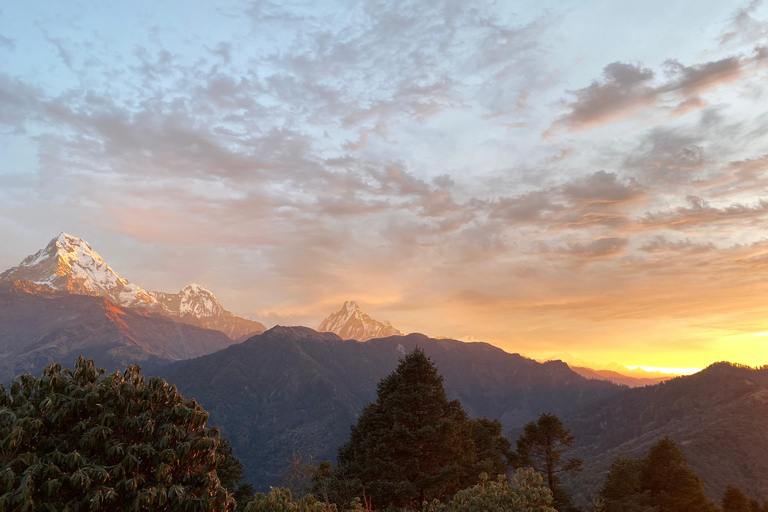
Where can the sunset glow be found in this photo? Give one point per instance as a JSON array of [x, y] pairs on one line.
[[587, 177]]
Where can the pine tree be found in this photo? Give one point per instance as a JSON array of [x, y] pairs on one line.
[[412, 444], [541, 447], [622, 490], [672, 484], [734, 499]]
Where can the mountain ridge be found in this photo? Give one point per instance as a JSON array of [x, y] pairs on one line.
[[70, 264]]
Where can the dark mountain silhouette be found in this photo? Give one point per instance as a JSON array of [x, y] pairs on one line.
[[616, 377], [40, 325], [718, 417], [295, 389]]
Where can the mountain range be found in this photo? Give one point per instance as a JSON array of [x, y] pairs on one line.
[[69, 264], [296, 389], [718, 417], [293, 389], [40, 325]]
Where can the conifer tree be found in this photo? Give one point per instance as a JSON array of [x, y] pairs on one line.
[[412, 444], [541, 447], [672, 484], [734, 499]]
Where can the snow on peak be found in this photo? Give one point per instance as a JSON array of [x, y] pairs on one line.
[[351, 323], [199, 302], [69, 263]]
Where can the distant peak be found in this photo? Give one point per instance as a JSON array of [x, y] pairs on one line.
[[196, 288], [350, 305]]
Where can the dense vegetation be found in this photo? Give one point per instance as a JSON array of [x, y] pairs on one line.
[[718, 418], [413, 445], [79, 440], [82, 440], [294, 389]]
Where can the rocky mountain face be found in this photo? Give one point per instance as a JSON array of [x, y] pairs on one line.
[[40, 325], [718, 417], [350, 323], [295, 389], [69, 264]]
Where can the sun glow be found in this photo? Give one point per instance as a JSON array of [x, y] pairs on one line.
[[661, 369]]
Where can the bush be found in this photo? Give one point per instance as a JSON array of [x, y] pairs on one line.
[[526, 493], [76, 440]]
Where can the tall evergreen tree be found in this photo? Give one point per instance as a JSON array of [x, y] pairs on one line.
[[541, 447], [412, 444], [672, 484], [622, 490], [662, 481], [734, 499]]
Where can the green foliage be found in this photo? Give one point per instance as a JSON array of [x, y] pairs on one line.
[[78, 440], [279, 500], [526, 493], [541, 447], [412, 444], [673, 485], [660, 482], [622, 491], [734, 499]]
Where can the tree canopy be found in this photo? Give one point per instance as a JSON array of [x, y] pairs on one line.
[[75, 439], [541, 447], [660, 482], [412, 444]]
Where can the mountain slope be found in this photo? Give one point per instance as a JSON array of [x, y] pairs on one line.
[[616, 377], [69, 264], [350, 323], [293, 388], [40, 325], [718, 417]]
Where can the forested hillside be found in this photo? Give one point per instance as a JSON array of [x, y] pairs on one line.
[[293, 388], [718, 417]]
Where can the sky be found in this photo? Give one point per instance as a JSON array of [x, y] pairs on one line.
[[586, 177]]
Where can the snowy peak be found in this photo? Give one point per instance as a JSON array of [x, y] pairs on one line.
[[70, 264], [193, 300], [351, 323]]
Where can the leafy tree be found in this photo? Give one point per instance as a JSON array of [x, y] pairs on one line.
[[412, 444], [526, 493], [79, 440], [541, 447], [279, 500], [672, 484], [734, 499]]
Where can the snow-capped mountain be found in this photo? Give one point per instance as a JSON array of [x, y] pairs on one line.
[[350, 323], [70, 264], [199, 306]]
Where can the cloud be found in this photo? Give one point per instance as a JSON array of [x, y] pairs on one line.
[[600, 248], [700, 213], [745, 29], [7, 42], [626, 88]]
